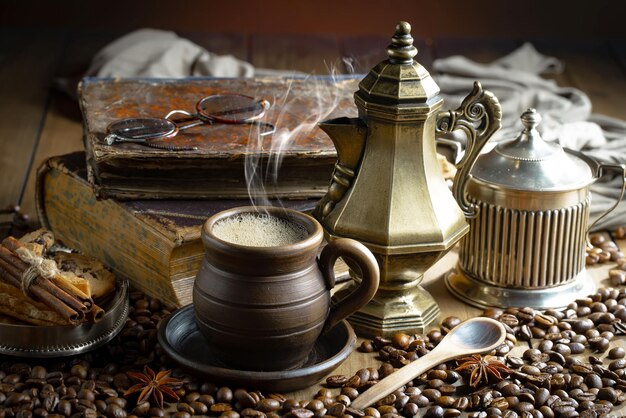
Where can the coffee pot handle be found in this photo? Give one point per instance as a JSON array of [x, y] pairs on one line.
[[370, 276], [479, 116]]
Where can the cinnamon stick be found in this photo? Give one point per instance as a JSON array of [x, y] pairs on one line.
[[18, 267], [7, 273], [13, 303], [95, 314], [68, 287]]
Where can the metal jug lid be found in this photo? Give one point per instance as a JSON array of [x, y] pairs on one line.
[[531, 164]]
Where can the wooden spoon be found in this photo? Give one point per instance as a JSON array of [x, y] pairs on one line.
[[477, 335]]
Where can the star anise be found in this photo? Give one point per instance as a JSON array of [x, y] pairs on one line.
[[482, 369], [155, 384]]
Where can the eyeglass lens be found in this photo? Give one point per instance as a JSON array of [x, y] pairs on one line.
[[143, 128], [230, 108]]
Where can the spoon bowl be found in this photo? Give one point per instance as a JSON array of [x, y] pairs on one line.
[[483, 334], [474, 336]]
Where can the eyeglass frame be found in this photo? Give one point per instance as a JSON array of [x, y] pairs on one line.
[[200, 118]]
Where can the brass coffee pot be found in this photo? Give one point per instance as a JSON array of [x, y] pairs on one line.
[[387, 190]]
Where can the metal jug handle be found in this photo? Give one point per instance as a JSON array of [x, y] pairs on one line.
[[479, 116], [602, 168]]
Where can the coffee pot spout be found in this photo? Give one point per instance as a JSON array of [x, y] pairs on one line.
[[348, 136]]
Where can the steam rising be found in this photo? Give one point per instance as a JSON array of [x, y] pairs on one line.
[[264, 155]]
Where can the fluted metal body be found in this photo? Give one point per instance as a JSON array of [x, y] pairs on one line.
[[525, 249]]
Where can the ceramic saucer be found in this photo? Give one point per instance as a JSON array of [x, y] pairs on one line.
[[181, 339]]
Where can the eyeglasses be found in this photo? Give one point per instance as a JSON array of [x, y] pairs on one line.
[[234, 109]]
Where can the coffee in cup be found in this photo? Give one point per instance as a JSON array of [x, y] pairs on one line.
[[259, 230]]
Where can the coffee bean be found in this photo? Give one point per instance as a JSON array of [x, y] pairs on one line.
[[531, 370], [380, 342], [372, 412], [524, 407], [445, 401], [401, 340], [582, 369], [616, 353], [401, 401], [350, 392], [366, 347], [617, 364], [525, 333], [431, 394], [451, 413], [115, 411], [385, 370], [344, 400], [461, 403], [251, 413], [387, 409], [500, 402], [420, 400], [224, 395], [576, 347], [434, 412], [220, 407], [514, 362], [599, 344], [450, 322]]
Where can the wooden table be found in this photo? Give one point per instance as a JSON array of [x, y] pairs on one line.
[[37, 122]]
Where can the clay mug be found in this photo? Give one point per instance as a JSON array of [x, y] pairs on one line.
[[263, 307]]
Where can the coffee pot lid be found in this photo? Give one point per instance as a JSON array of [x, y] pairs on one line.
[[399, 79], [531, 164]]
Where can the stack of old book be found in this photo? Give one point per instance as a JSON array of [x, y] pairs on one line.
[[140, 209]]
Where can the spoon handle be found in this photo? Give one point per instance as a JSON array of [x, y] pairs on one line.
[[400, 377]]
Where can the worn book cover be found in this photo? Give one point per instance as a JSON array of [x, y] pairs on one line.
[[296, 161], [153, 243]]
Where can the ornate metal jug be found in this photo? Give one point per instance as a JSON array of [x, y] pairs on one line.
[[387, 190], [527, 245]]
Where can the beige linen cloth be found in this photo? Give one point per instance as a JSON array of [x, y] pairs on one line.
[[163, 54], [515, 79]]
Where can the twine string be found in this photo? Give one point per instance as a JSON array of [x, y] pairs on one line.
[[39, 266]]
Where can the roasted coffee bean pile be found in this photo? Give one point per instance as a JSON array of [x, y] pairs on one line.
[[603, 249], [570, 369]]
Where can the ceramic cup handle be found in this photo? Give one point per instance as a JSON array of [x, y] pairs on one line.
[[361, 256]]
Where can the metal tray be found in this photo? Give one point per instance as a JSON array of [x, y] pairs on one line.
[[66, 340], [181, 339]]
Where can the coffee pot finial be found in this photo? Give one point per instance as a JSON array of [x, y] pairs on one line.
[[401, 49]]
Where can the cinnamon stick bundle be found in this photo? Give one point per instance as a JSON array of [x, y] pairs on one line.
[[11, 275], [61, 295], [18, 267]]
